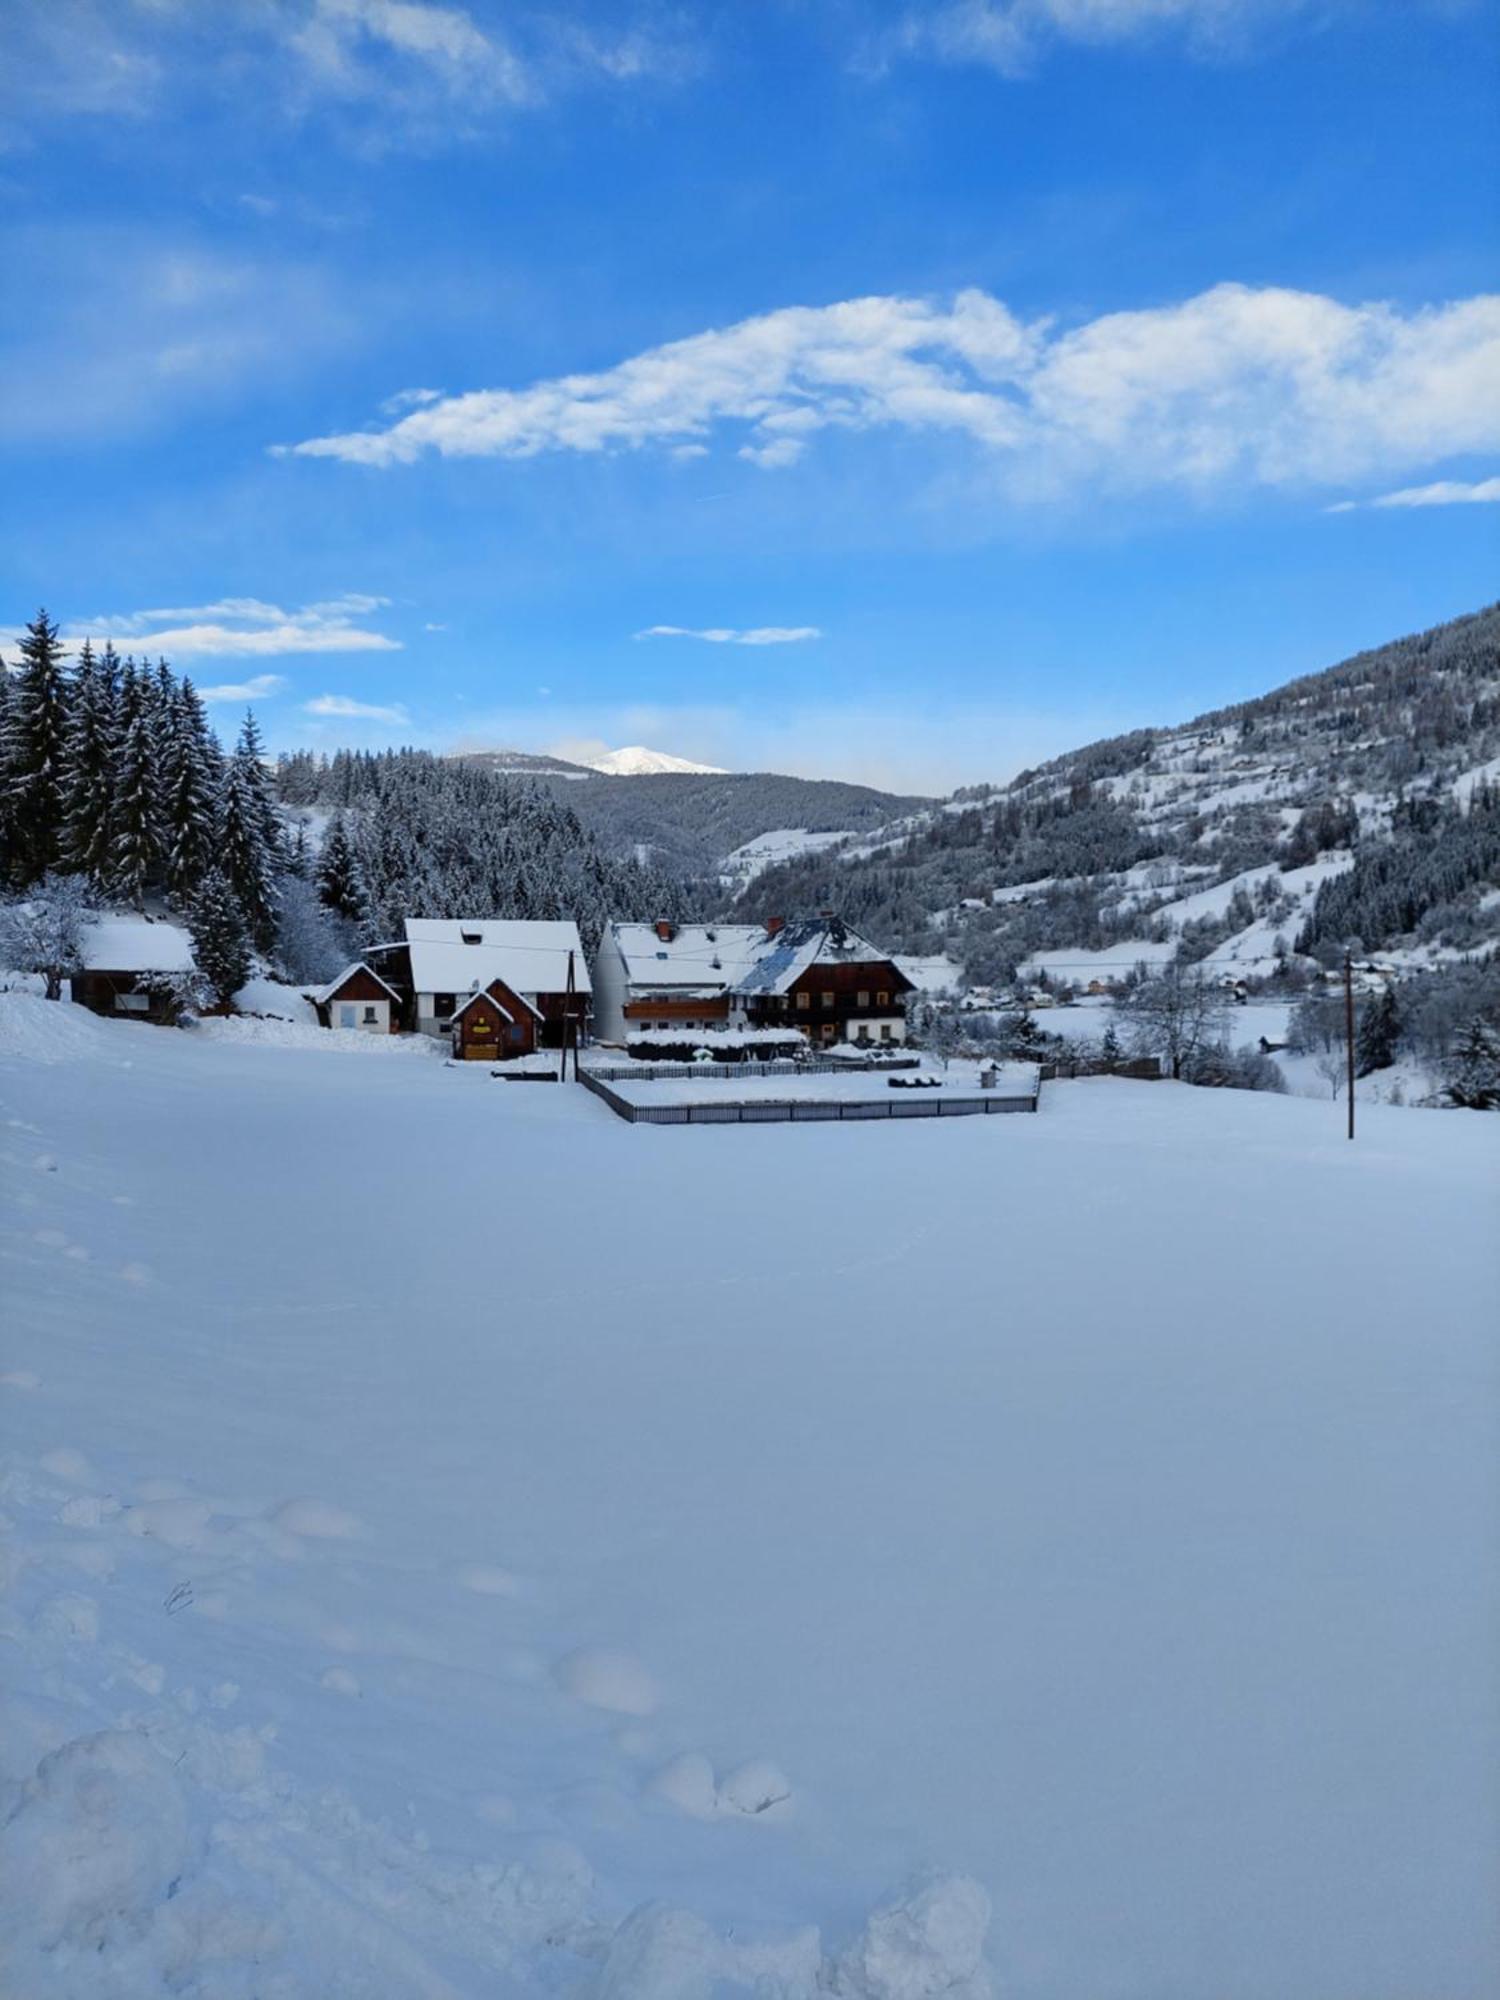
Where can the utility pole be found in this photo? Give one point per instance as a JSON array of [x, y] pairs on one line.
[[568, 1026], [1349, 1032]]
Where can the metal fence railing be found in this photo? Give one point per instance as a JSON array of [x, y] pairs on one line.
[[807, 1110]]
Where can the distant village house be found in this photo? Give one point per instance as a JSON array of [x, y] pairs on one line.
[[816, 976]]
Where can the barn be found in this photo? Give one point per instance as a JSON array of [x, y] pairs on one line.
[[132, 968]]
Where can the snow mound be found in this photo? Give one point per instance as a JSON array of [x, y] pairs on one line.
[[55, 1031], [91, 1845], [927, 1942]]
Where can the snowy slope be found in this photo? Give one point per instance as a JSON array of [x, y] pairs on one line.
[[636, 761], [414, 1593]]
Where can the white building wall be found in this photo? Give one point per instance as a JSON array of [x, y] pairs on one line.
[[339, 1011], [610, 991]]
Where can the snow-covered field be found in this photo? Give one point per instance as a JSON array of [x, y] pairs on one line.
[[460, 1544], [961, 1080]]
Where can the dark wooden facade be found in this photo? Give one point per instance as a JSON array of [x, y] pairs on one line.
[[829, 1002], [714, 1008], [560, 1012], [127, 996], [494, 1026]]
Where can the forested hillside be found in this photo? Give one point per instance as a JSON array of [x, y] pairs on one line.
[[1352, 804]]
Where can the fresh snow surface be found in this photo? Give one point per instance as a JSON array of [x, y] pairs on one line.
[[636, 761], [462, 1545], [783, 843]]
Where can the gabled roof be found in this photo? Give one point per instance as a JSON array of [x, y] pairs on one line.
[[484, 993], [707, 959], [324, 994], [529, 955], [796, 948], [136, 944], [698, 960]]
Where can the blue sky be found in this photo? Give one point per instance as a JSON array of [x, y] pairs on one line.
[[985, 376]]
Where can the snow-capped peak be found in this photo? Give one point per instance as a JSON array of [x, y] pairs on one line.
[[636, 761]]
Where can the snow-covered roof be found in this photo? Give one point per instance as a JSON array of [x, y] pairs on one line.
[[325, 993], [136, 944], [529, 954], [796, 948], [698, 959], [701, 959], [499, 1006]]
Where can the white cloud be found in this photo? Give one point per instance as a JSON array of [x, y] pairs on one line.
[[243, 628], [1008, 36], [1441, 493], [727, 635], [241, 691], [363, 711], [1236, 387], [410, 399]]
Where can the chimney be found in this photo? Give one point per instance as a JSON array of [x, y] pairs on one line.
[[774, 924], [665, 929]]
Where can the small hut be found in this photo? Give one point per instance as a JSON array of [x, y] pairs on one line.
[[359, 999], [494, 1024], [134, 969]]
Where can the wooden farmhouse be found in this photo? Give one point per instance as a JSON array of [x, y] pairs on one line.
[[131, 966], [815, 976], [359, 999], [442, 962]]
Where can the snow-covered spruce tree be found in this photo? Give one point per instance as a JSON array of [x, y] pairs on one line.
[[221, 936], [44, 931], [31, 754], [88, 766], [1109, 1046], [1378, 1040], [249, 835], [192, 784], [311, 942], [1471, 1073], [339, 882], [136, 852], [1174, 1013]]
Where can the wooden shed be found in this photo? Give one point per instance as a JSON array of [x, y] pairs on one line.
[[132, 966], [359, 999], [494, 1024]]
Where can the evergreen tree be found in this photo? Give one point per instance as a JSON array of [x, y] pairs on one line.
[[192, 769], [1109, 1047], [221, 936], [339, 882], [1472, 1069], [250, 834], [88, 767], [1378, 1038], [135, 846], [31, 756]]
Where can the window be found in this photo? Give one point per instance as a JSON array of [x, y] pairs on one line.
[[864, 999], [862, 1032], [133, 1003], [885, 1031], [442, 1004], [346, 1017], [804, 1000], [827, 999], [882, 999], [517, 1034], [370, 1017]]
